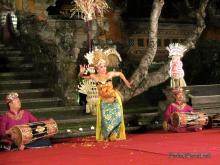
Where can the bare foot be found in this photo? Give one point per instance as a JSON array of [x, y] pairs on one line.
[[21, 148]]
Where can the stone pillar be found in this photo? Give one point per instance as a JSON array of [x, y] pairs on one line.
[[69, 36]]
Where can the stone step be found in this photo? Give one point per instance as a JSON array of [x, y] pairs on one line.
[[7, 47], [86, 125], [14, 60], [77, 113], [8, 52], [36, 103], [29, 93], [19, 75], [207, 106], [140, 108], [22, 84], [73, 112], [16, 67], [59, 113], [65, 134], [85, 120], [209, 110], [87, 132]]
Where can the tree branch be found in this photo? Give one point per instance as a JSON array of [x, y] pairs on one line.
[[154, 78], [200, 22], [144, 80], [142, 71]]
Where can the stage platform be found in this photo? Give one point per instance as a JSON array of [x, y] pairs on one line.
[[150, 148]]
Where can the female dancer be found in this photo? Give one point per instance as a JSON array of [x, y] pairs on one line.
[[110, 120]]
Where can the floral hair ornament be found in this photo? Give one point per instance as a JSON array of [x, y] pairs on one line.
[[11, 96], [176, 49]]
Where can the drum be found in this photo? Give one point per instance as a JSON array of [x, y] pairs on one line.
[[181, 119], [27, 133], [215, 120]]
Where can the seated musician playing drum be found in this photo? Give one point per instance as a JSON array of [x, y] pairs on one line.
[[179, 106], [17, 116]]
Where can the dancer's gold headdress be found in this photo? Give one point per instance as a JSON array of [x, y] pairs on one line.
[[99, 58], [109, 56], [96, 57]]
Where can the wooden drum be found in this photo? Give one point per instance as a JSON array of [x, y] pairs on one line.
[[181, 119], [27, 133]]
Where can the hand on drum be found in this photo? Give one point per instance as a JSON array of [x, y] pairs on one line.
[[13, 137], [8, 132]]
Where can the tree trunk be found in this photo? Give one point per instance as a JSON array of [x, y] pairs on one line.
[[141, 72], [142, 80]]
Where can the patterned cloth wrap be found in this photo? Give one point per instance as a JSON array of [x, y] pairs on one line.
[[110, 120]]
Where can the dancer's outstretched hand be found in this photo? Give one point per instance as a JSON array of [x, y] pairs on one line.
[[82, 69]]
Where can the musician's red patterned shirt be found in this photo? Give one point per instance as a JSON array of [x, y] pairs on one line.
[[9, 120]]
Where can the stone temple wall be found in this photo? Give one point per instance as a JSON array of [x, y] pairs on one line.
[[58, 46]]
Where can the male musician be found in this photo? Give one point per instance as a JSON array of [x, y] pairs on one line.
[[16, 116], [178, 106]]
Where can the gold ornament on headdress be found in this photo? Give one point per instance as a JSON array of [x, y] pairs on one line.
[[114, 57], [99, 57], [96, 57], [90, 9]]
